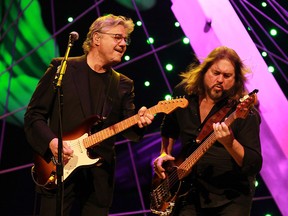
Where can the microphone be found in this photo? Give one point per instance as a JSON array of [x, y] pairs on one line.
[[73, 36]]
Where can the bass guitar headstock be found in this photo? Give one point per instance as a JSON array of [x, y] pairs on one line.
[[246, 103]]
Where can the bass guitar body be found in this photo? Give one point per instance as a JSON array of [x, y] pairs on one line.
[[167, 193]]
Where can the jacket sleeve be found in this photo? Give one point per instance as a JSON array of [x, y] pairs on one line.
[[133, 133], [36, 118]]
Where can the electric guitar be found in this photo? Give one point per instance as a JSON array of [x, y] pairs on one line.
[[166, 192], [44, 172]]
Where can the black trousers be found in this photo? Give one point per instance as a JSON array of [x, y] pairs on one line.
[[88, 193], [230, 209], [240, 206]]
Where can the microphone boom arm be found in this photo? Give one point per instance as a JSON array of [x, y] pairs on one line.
[[63, 65], [72, 37]]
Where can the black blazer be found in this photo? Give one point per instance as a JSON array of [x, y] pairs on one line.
[[41, 121]]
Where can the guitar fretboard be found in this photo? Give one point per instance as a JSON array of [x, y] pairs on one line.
[[185, 168], [166, 106], [115, 129]]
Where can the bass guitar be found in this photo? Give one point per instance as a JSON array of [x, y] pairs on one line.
[[165, 192], [44, 172]]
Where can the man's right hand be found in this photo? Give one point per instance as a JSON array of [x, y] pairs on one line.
[[67, 151], [158, 162]]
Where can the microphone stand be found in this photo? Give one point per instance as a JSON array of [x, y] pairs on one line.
[[59, 164]]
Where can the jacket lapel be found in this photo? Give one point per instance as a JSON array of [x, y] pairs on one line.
[[79, 72]]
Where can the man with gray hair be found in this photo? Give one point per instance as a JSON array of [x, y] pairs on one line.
[[90, 87]]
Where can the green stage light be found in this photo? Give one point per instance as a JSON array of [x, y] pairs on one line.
[[150, 40], [146, 83], [264, 54], [169, 67], [70, 19], [139, 23], [31, 33], [126, 57], [177, 24], [168, 97], [264, 4], [271, 69], [186, 40], [273, 32]]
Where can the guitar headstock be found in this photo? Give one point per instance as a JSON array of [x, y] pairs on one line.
[[245, 104], [167, 106]]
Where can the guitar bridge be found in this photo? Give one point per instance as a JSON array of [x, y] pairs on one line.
[[159, 200], [166, 212]]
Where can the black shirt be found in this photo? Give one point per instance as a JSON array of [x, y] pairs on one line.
[[216, 174], [98, 86]]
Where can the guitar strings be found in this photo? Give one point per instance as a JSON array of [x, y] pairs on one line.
[[161, 191]]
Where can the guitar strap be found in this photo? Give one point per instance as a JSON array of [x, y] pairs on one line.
[[217, 117]]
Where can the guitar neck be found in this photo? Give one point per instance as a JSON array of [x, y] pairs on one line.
[[185, 168], [106, 133]]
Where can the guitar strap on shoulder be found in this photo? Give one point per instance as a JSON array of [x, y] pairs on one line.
[[217, 117], [111, 94]]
